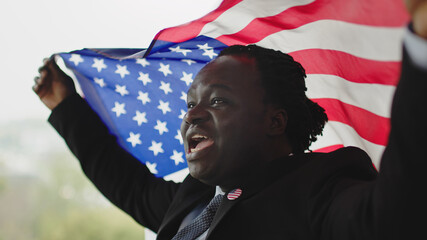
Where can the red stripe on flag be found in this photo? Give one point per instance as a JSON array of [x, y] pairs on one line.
[[329, 148], [347, 66], [190, 30], [368, 125], [360, 12]]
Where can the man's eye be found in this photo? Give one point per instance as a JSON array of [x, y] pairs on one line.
[[190, 105], [217, 101]]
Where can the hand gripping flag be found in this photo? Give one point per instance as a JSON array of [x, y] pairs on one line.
[[350, 49]]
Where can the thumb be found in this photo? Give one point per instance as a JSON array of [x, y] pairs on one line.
[[59, 75]]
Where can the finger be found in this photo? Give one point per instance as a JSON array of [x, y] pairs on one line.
[[38, 85], [37, 88], [51, 65], [42, 69], [37, 80], [419, 20], [55, 70], [44, 74], [412, 5], [41, 78]]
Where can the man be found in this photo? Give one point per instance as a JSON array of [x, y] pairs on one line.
[[246, 129]]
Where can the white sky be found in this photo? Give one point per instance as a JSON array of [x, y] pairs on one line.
[[31, 30]]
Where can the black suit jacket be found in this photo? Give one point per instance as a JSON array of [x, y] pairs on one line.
[[337, 195]]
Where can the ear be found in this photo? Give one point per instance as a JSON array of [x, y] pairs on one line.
[[278, 122]]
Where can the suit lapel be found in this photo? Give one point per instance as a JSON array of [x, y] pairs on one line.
[[192, 192], [228, 204], [224, 208], [265, 176]]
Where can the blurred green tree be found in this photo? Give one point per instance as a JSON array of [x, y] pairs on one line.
[[45, 196]]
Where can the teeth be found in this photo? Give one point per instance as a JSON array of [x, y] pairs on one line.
[[194, 150], [198, 136]]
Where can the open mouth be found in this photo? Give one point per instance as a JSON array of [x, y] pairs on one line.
[[199, 142]]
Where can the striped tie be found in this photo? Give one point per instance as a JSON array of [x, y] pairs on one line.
[[201, 223]]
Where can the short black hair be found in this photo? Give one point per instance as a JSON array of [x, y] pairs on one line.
[[284, 82]]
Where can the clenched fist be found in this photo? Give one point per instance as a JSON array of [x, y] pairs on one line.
[[418, 11], [52, 85]]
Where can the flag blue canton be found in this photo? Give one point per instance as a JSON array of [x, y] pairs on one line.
[[143, 100]]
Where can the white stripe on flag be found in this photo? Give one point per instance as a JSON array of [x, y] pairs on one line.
[[362, 95], [376, 43], [244, 12], [340, 133]]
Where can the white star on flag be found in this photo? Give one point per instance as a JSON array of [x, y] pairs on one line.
[[140, 117], [121, 90], [179, 50], [122, 70], [143, 62], [210, 53], [183, 96], [134, 139], [76, 59], [204, 46], [165, 87], [119, 108], [99, 64], [178, 137], [156, 148], [177, 157], [188, 61], [161, 127], [100, 82], [151, 167], [144, 78], [187, 78], [182, 115], [143, 96], [164, 106], [165, 69]]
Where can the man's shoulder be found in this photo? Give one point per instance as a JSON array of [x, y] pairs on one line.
[[347, 159], [350, 154]]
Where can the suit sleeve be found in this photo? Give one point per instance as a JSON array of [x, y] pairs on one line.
[[394, 206], [124, 180], [401, 190]]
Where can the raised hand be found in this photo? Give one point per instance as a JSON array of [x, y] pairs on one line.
[[52, 85], [418, 11]]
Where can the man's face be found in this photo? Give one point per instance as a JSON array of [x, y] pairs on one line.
[[224, 130]]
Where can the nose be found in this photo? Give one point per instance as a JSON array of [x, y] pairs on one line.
[[196, 115]]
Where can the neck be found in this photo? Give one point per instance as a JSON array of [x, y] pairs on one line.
[[278, 149], [256, 174], [256, 163]]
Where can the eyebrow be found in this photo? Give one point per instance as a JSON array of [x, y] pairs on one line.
[[213, 86], [221, 86]]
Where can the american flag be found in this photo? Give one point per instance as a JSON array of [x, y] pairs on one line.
[[350, 49], [234, 194]]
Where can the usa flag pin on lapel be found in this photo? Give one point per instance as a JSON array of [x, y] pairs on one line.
[[234, 194]]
